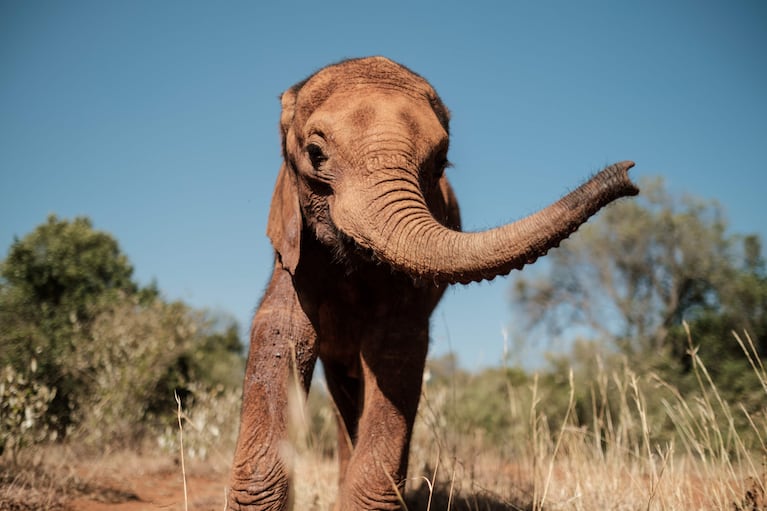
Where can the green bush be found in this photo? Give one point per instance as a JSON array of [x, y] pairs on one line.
[[129, 355], [109, 354], [23, 405]]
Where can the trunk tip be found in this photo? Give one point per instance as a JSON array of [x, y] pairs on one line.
[[626, 165], [619, 171]]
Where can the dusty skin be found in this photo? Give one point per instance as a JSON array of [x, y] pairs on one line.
[[366, 232]]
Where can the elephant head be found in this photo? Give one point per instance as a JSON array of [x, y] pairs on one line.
[[365, 148]]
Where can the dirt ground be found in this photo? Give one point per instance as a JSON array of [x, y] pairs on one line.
[[124, 482], [161, 491], [130, 482]]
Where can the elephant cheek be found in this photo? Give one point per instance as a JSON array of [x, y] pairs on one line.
[[318, 220]]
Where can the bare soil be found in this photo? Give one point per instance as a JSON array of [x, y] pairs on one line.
[[163, 491], [126, 481], [60, 480], [130, 482]]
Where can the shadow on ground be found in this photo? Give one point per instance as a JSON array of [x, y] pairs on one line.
[[419, 500]]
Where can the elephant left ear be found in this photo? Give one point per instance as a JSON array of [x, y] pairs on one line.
[[285, 222]]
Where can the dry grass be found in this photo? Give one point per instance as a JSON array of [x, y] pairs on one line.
[[30, 485], [614, 464], [50, 477]]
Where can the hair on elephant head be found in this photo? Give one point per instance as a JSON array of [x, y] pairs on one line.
[[366, 232]]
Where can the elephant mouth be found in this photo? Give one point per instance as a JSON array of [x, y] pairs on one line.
[[353, 257]]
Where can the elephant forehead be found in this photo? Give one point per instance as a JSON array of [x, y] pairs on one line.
[[365, 73], [375, 112]]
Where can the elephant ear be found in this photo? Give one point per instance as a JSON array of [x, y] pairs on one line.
[[284, 227], [285, 221], [288, 103]]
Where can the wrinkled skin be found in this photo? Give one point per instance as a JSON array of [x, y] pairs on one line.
[[366, 232]]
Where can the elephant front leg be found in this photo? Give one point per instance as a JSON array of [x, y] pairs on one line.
[[282, 344], [392, 372]]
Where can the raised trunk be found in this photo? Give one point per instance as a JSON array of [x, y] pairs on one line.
[[405, 235]]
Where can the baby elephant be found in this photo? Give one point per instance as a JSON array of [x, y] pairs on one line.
[[366, 233]]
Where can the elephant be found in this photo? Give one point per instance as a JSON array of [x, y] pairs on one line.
[[367, 236]]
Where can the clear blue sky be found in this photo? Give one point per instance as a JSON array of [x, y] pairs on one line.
[[159, 120]]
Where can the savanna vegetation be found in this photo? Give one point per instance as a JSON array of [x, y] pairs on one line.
[[656, 397]]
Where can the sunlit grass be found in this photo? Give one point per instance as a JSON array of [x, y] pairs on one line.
[[614, 464], [617, 461]]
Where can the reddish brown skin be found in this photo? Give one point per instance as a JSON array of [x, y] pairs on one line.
[[341, 294]]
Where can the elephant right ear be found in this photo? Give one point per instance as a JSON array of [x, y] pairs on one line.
[[285, 221]]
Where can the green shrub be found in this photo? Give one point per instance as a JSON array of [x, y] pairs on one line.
[[128, 358], [23, 405]]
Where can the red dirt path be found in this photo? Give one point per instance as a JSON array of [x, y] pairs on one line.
[[163, 491], [127, 484]]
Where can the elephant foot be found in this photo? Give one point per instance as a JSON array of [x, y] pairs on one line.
[[250, 497], [370, 492]]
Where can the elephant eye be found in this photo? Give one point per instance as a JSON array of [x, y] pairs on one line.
[[316, 156], [440, 165]]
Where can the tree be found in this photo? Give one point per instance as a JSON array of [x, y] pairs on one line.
[[54, 276], [67, 265], [624, 285], [51, 284], [110, 352], [740, 310], [630, 277]]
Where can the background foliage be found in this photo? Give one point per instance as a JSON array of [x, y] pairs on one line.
[[88, 353], [628, 282]]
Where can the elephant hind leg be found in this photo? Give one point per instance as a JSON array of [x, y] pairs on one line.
[[346, 392], [392, 369]]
